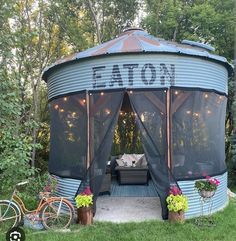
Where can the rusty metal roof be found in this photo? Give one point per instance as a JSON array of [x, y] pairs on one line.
[[136, 40]]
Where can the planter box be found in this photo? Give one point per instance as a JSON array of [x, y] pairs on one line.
[[207, 194], [176, 217], [85, 215]]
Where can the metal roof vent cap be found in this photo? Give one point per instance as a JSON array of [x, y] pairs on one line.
[[132, 29], [197, 44]]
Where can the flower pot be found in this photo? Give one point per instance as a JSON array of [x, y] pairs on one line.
[[85, 215], [207, 194], [176, 217]]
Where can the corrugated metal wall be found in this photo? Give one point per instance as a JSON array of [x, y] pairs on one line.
[[219, 200], [188, 72], [68, 187]]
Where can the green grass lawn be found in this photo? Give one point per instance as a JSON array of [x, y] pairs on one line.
[[224, 230]]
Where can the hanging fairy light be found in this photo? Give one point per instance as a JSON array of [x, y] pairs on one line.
[[142, 117], [102, 93], [131, 92], [61, 110], [84, 101], [56, 107], [73, 114], [107, 111], [209, 112], [188, 112], [65, 98], [196, 114], [121, 113], [206, 96], [176, 92]]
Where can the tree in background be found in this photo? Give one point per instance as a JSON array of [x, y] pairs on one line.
[[207, 21]]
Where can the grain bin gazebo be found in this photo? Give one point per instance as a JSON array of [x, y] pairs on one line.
[[178, 93]]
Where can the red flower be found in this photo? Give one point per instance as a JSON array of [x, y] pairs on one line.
[[47, 189], [174, 190], [87, 191]]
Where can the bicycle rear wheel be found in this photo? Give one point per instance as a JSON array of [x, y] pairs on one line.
[[10, 215], [57, 214]]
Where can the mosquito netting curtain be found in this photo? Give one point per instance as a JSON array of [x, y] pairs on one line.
[[103, 114], [150, 110], [198, 130], [68, 136]]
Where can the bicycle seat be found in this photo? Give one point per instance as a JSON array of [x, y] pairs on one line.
[[22, 183]]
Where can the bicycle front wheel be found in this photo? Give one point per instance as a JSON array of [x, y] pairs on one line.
[[10, 215], [57, 214]]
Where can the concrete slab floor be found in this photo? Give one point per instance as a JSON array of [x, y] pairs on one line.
[[127, 209]]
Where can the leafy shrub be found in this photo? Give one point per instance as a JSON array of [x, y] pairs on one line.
[[176, 201], [210, 184], [30, 192], [84, 199]]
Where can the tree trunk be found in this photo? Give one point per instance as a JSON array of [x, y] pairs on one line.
[[95, 20]]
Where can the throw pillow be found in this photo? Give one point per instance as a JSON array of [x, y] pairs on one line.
[[128, 159], [120, 162]]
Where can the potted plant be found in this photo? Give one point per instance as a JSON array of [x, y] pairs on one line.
[[177, 204], [207, 187], [84, 202]]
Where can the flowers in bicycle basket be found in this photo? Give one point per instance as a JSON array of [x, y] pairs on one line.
[[209, 184], [176, 201], [50, 187], [84, 199]]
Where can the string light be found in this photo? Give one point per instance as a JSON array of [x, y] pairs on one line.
[[108, 112], [61, 110], [84, 101], [102, 93], [165, 91], [73, 114], [131, 92], [65, 98], [196, 114], [221, 97], [208, 112], [121, 113], [176, 92], [206, 96], [56, 107], [188, 112]]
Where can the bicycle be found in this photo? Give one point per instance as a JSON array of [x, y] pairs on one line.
[[52, 212]]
